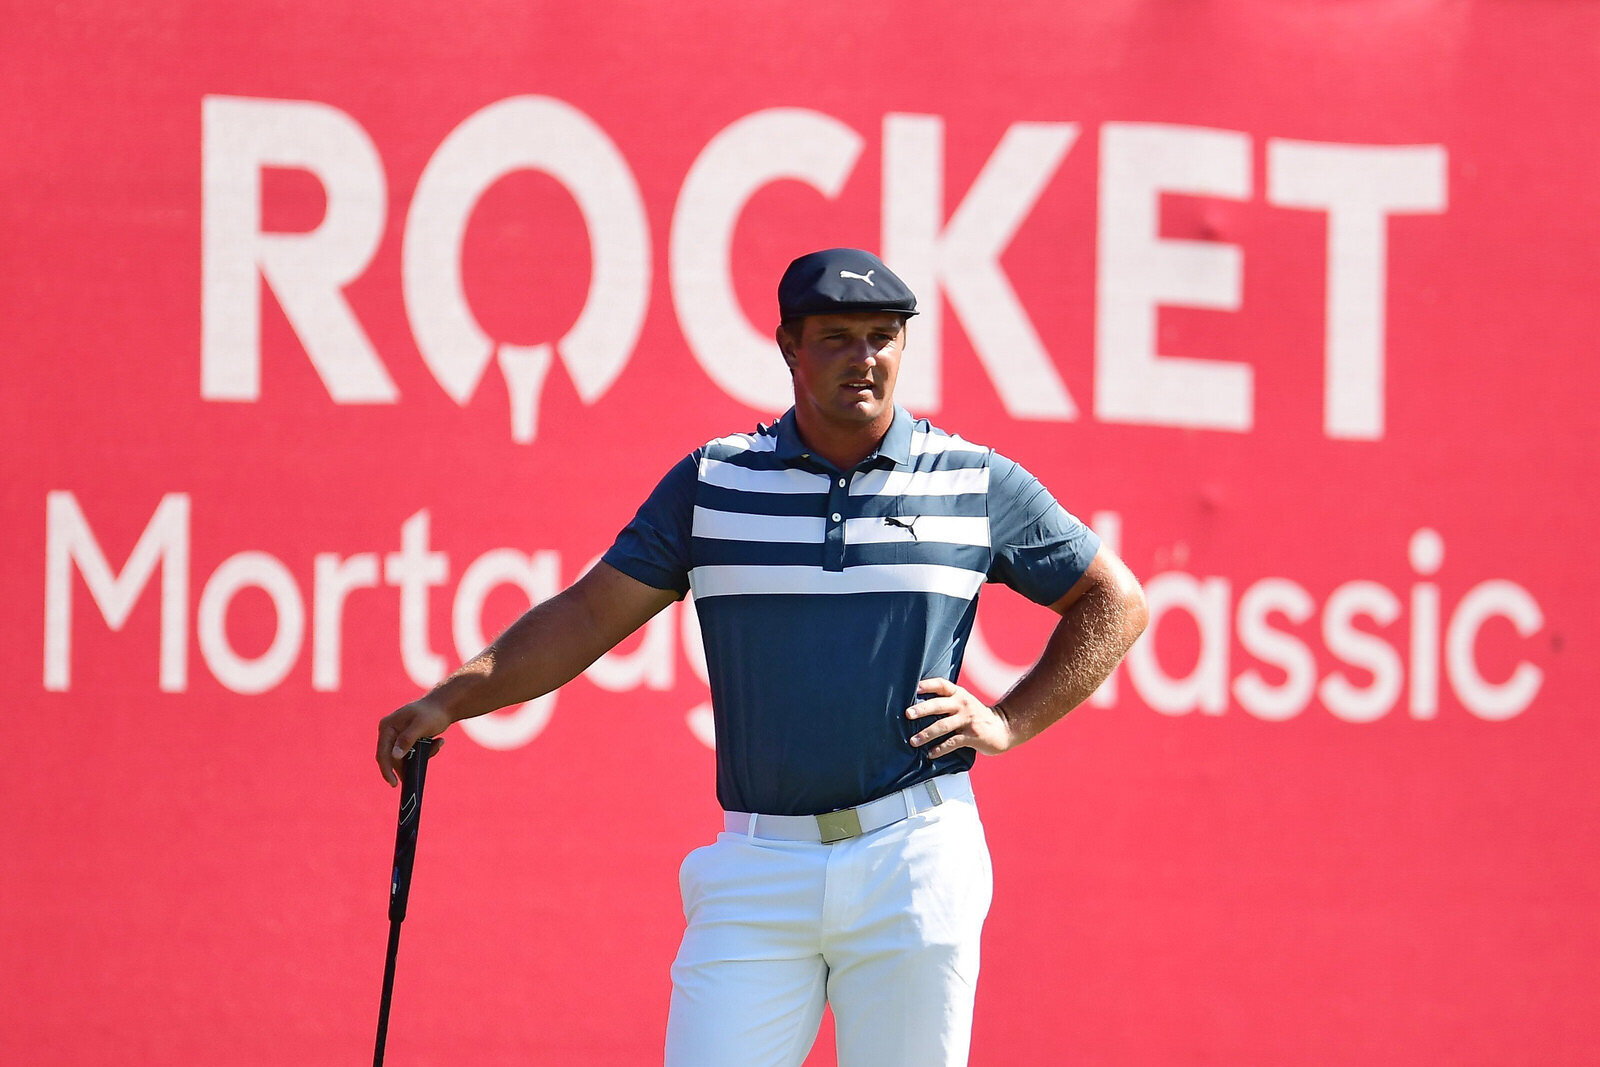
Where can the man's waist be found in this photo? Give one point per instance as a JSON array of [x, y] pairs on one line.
[[846, 823]]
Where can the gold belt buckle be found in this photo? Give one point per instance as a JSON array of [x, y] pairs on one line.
[[839, 825]]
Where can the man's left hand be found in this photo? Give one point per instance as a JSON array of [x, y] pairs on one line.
[[961, 720]]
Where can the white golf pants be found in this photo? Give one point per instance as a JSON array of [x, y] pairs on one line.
[[884, 927]]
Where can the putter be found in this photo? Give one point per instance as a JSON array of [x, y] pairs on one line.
[[405, 852]]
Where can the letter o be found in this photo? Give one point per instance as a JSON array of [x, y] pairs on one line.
[[542, 134], [266, 573]]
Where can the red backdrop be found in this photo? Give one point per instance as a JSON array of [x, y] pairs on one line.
[[335, 333]]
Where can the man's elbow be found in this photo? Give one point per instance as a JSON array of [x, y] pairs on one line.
[[1135, 609], [1110, 596], [1123, 591]]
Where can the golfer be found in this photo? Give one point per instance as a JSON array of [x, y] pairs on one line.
[[835, 559]]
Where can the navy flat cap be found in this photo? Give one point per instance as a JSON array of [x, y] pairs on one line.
[[840, 280]]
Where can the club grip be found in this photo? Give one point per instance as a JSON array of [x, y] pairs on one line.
[[412, 774]]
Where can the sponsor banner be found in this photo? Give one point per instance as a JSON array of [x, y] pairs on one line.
[[334, 338]]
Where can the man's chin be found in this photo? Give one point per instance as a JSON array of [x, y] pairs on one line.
[[861, 400], [863, 410]]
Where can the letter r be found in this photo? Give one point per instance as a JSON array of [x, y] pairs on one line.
[[307, 272]]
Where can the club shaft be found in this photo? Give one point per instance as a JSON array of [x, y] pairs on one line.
[[388, 991]]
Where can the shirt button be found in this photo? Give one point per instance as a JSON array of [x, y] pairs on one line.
[[835, 516], [841, 483]]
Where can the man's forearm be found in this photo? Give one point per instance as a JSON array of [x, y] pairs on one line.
[[1088, 642], [541, 651], [550, 644]]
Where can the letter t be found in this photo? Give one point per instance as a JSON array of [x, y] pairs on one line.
[[414, 569]]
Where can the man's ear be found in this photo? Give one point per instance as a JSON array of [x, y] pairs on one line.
[[785, 345]]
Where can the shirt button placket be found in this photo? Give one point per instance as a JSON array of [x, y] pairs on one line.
[[833, 549]]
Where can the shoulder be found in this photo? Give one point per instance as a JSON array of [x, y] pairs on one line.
[[763, 440], [928, 440]]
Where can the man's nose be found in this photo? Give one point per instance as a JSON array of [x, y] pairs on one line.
[[862, 354]]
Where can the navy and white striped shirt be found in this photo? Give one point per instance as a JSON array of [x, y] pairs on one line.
[[825, 596]]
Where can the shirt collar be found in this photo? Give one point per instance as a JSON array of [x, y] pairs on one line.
[[895, 446]]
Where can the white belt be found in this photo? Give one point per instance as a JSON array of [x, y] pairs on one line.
[[853, 822]]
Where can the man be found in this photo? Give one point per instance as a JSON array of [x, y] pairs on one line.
[[835, 558]]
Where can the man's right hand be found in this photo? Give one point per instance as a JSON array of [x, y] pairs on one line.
[[402, 728]]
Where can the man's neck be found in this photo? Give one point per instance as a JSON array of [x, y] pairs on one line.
[[844, 447]]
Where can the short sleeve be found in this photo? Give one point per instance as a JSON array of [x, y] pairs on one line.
[[654, 547], [1040, 548]]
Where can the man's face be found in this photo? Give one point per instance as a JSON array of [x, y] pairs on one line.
[[844, 366]]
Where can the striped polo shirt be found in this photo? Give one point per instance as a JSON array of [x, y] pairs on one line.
[[825, 596]]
